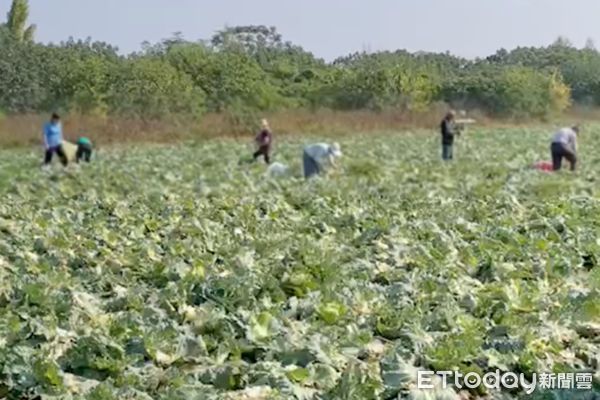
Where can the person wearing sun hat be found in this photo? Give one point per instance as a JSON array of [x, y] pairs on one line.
[[320, 156]]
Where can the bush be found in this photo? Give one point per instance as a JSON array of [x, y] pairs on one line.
[[247, 71], [511, 91], [151, 88]]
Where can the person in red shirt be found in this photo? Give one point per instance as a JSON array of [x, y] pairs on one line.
[[264, 140]]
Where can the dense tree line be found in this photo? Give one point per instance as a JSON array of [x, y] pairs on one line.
[[242, 70]]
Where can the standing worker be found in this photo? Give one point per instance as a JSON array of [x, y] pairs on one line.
[[317, 157], [264, 141], [84, 150], [564, 145], [448, 129], [53, 140]]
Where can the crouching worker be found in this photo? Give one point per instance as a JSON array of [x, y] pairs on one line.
[[564, 145], [84, 150], [320, 156], [53, 141], [264, 140]]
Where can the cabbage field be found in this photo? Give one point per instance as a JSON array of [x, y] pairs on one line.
[[183, 272]]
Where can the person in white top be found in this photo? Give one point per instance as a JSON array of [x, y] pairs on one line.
[[564, 145], [320, 156]]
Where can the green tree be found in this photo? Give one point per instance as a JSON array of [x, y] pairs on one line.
[[17, 21], [590, 44], [152, 89], [77, 75], [245, 71], [562, 41], [22, 84], [511, 91], [228, 77], [384, 80], [251, 39]]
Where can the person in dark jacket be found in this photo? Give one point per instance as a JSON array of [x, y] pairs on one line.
[[448, 130], [264, 140]]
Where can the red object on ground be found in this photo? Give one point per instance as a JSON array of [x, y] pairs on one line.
[[543, 166]]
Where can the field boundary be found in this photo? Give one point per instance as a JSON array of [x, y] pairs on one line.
[[25, 130]]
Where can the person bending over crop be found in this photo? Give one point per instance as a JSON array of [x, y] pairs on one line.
[[564, 145], [317, 157], [53, 141], [448, 130], [84, 150], [264, 140]]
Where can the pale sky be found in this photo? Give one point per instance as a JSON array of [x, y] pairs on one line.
[[328, 28]]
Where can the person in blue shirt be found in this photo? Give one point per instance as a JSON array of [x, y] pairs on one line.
[[53, 140]]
